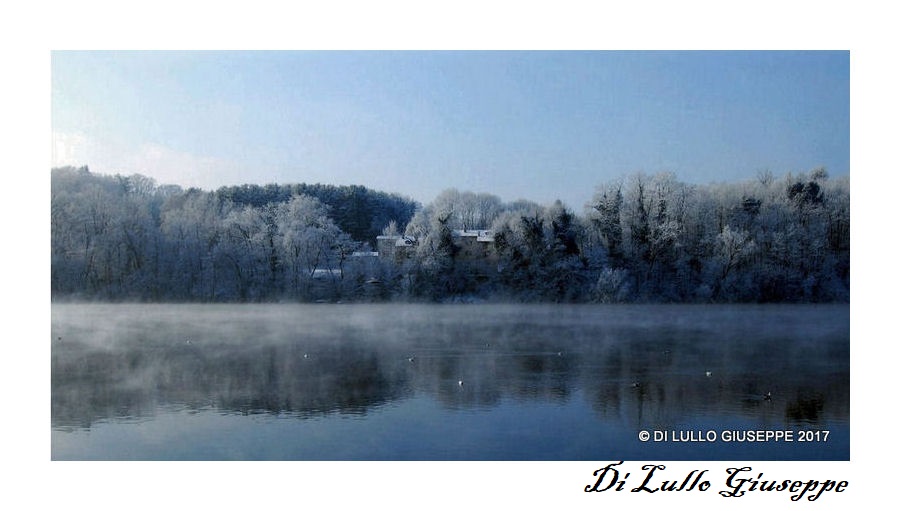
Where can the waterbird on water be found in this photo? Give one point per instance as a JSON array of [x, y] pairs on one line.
[[460, 383], [767, 396], [635, 384], [708, 374]]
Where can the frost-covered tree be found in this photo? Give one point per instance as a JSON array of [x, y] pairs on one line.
[[191, 227], [104, 231], [309, 242], [654, 211], [733, 248], [243, 254], [612, 286], [606, 219], [541, 254], [646, 237]]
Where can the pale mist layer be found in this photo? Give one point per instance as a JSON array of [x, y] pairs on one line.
[[662, 364]]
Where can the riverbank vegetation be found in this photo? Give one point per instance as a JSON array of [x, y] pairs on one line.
[[642, 238]]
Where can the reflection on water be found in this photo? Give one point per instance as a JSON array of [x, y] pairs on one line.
[[442, 382]]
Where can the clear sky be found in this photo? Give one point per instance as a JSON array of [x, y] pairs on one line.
[[536, 125]]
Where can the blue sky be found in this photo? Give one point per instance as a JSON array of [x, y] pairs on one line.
[[536, 125]]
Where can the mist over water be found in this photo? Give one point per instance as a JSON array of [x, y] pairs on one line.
[[392, 381]]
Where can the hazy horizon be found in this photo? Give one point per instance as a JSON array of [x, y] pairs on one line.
[[533, 125]]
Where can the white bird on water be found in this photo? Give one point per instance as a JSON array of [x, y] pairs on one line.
[[708, 374]]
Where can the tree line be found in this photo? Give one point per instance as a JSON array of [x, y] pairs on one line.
[[641, 238]]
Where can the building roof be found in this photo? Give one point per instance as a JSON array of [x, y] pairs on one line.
[[479, 234]]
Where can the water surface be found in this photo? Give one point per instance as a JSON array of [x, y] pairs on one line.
[[446, 382]]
